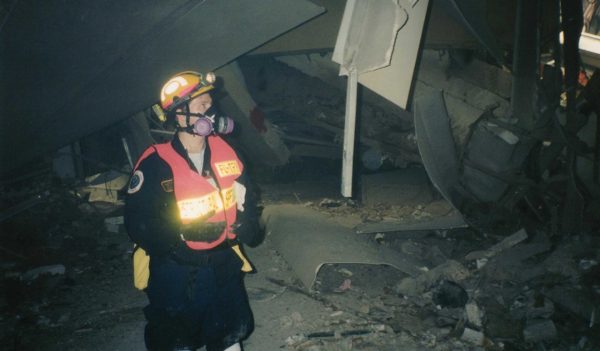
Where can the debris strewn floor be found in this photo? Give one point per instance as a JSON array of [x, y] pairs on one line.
[[66, 282]]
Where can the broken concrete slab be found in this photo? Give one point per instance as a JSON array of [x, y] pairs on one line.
[[493, 156], [256, 133], [307, 240], [539, 330], [506, 243], [452, 221], [511, 265], [450, 270], [573, 301], [472, 336], [474, 314]]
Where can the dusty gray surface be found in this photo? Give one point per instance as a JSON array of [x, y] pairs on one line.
[[535, 295]]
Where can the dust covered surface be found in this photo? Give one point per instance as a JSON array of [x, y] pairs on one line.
[[66, 279]]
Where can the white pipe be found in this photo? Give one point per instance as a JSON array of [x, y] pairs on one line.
[[349, 133]]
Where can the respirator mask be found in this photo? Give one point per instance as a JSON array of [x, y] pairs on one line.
[[208, 123]]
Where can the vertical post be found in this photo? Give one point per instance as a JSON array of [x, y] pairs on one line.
[[79, 169], [349, 133], [572, 21], [126, 148], [525, 60]]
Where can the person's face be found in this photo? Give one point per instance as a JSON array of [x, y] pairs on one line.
[[200, 104]]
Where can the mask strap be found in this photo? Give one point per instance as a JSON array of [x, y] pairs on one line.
[[186, 111]]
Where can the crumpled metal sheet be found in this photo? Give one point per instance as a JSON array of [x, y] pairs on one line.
[[436, 145], [307, 240]]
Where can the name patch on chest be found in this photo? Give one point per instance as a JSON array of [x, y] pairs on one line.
[[227, 168]]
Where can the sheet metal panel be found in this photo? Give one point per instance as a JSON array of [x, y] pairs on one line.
[[307, 240]]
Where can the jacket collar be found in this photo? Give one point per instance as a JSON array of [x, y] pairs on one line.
[[178, 147]]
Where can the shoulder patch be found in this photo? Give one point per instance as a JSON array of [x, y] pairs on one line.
[[167, 185], [135, 183]]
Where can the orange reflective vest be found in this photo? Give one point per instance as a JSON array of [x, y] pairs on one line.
[[195, 196]]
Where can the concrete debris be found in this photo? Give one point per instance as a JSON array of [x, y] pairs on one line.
[[330, 203], [509, 265], [473, 336], [345, 272], [531, 306], [450, 270], [539, 330], [464, 291], [586, 264], [33, 274], [346, 285], [112, 224], [481, 262], [474, 314], [506, 243], [574, 301]]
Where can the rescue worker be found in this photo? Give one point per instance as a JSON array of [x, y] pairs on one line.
[[188, 206]]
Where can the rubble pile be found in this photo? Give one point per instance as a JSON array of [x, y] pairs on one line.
[[60, 257], [66, 278], [481, 290], [501, 281]]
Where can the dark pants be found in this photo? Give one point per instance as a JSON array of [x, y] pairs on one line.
[[196, 305]]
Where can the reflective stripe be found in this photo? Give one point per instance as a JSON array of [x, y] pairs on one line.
[[227, 168], [190, 209], [229, 198]]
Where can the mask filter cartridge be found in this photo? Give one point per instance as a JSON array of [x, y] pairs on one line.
[[204, 126]]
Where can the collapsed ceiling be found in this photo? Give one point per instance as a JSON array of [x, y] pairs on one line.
[[70, 68]]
